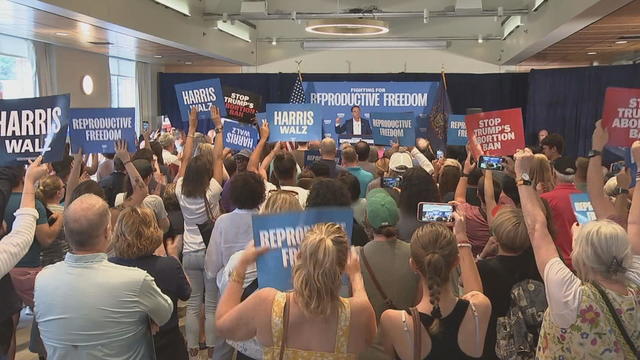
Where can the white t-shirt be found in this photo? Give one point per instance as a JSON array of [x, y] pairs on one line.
[[564, 290], [153, 202], [194, 213], [302, 193], [357, 127], [169, 158]]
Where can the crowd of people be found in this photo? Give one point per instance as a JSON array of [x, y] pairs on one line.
[[103, 247]]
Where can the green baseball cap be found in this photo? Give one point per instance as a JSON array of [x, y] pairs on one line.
[[381, 209]]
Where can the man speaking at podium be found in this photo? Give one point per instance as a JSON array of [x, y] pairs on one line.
[[355, 126]]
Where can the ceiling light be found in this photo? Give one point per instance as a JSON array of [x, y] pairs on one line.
[[426, 16], [374, 44], [621, 42], [87, 85], [274, 42], [157, 56], [480, 39], [537, 4], [592, 53], [62, 34], [348, 27], [509, 26], [180, 6], [188, 63], [236, 28]]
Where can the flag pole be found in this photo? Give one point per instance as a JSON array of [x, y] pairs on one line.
[[443, 77], [298, 62]]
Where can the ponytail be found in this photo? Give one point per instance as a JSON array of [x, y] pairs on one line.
[[434, 269]]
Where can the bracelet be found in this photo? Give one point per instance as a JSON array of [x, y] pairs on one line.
[[237, 277], [191, 136], [467, 245]]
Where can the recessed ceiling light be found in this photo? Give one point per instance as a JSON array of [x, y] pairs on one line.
[[157, 56], [188, 63], [348, 27], [621, 42], [62, 34], [592, 53]]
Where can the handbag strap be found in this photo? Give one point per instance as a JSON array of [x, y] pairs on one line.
[[208, 208], [417, 338], [616, 319], [285, 325], [387, 301]]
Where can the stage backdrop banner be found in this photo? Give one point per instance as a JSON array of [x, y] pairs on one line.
[[621, 115], [238, 136], [390, 128], [294, 122], [96, 130], [311, 156], [581, 204], [31, 127], [242, 105], [499, 133], [457, 131], [337, 98], [283, 234], [203, 94]]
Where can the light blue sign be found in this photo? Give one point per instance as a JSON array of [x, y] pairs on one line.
[[632, 166], [239, 136], [203, 94], [283, 233], [32, 127], [457, 130], [581, 204], [96, 130], [390, 128], [294, 122]]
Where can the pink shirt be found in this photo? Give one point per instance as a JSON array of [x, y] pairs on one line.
[[477, 226]]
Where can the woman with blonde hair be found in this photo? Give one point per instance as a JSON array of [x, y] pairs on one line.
[[51, 191], [542, 174], [302, 323], [135, 238]]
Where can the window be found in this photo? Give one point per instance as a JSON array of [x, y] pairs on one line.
[[17, 68], [123, 82]]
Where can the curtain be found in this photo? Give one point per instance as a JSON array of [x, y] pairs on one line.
[[45, 68], [145, 104]]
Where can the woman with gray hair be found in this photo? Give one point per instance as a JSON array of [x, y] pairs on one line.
[[593, 314]]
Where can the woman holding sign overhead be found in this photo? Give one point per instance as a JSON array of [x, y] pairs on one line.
[[312, 321]]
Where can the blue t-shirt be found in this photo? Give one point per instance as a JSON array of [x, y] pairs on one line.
[[364, 178], [32, 258]]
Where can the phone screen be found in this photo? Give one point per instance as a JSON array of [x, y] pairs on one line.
[[491, 163], [390, 182], [616, 167], [145, 125], [435, 212], [439, 154]]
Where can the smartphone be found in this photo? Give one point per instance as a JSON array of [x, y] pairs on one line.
[[616, 167], [491, 163], [435, 212], [145, 125], [439, 154], [391, 182]]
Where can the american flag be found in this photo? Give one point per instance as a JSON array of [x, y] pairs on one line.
[[297, 95]]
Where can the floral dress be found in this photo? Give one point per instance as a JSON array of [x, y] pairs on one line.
[[594, 334]]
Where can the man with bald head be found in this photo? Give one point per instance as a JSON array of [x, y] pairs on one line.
[[89, 308], [328, 157]]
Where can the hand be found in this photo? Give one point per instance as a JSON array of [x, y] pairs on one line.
[[264, 131], [77, 157], [226, 152], [635, 152], [353, 263], [193, 119], [277, 148], [147, 134], [460, 227], [36, 171], [121, 151], [174, 245], [468, 166], [338, 120], [251, 253], [524, 159], [490, 249], [624, 179], [474, 147], [600, 137], [215, 117], [509, 166], [154, 327], [84, 176]]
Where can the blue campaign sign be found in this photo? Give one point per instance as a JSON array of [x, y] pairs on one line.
[[283, 233], [632, 166], [32, 127], [582, 208], [260, 117], [337, 99], [202, 94], [294, 122], [390, 128], [239, 136], [96, 130], [457, 130], [311, 156]]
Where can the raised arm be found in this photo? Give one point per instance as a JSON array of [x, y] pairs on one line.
[[422, 161], [146, 135], [266, 162], [543, 247], [218, 147], [489, 198], [74, 176], [633, 226], [187, 152], [602, 206], [254, 159], [469, 274], [91, 170], [140, 189], [461, 189]]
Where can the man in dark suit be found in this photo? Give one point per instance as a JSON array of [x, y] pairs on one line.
[[355, 126]]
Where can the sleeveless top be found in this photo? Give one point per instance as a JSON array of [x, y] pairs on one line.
[[277, 328], [444, 344], [594, 334]]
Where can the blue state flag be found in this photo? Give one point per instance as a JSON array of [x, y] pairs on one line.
[[203, 94], [239, 136], [581, 204], [294, 122], [457, 130], [32, 127], [96, 130], [283, 233], [392, 127]]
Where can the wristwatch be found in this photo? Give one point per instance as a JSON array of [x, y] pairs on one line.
[[619, 191], [594, 153], [218, 130], [524, 179]]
